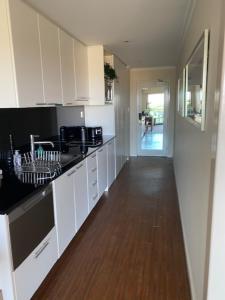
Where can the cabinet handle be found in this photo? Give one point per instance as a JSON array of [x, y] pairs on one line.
[[93, 170], [95, 197], [82, 99], [71, 173], [94, 183], [40, 103], [69, 103], [79, 166], [100, 150], [38, 253], [93, 156]]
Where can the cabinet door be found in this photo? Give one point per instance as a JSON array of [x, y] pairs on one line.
[[25, 37], [96, 75], [81, 194], [118, 155], [8, 97], [111, 162], [81, 71], [102, 169], [63, 189], [67, 68], [49, 38]]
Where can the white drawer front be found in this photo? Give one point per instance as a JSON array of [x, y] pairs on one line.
[[92, 196], [93, 183], [92, 186], [91, 162], [92, 175], [30, 274], [102, 169]]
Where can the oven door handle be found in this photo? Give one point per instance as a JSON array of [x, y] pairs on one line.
[[39, 251]]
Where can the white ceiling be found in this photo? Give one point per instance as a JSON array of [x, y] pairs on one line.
[[154, 28]]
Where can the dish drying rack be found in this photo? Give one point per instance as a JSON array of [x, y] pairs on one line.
[[44, 166], [34, 178]]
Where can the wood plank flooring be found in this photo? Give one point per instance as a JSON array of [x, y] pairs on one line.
[[130, 247]]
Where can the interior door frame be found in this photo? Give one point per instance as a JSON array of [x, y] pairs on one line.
[[150, 84]]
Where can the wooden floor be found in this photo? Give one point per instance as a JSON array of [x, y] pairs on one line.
[[130, 247]]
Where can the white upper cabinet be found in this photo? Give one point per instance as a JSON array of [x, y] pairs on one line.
[[50, 54], [67, 68], [81, 71], [7, 79], [96, 75], [27, 57], [43, 65]]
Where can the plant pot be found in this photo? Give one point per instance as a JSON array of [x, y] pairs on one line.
[[108, 90]]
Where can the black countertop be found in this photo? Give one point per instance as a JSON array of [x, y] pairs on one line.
[[13, 191]]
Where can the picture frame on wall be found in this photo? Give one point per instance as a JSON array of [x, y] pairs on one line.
[[181, 93], [196, 83]]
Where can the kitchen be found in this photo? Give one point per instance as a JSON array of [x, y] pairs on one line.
[[83, 214]]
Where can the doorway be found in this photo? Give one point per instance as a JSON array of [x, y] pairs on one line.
[[153, 102]]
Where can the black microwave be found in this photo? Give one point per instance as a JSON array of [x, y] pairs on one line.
[[73, 133], [94, 133]]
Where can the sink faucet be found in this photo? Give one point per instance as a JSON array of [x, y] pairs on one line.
[[33, 143]]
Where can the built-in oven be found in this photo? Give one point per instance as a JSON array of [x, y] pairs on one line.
[[29, 223]]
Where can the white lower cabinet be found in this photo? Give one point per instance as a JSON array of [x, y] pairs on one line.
[[102, 169], [92, 180], [75, 194], [30, 274], [70, 193], [64, 208], [81, 194], [111, 164]]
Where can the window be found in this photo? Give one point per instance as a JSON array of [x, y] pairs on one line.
[[155, 107]]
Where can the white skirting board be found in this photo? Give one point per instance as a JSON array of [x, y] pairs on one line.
[[188, 261]]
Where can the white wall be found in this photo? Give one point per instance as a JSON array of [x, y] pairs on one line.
[[139, 76], [216, 286], [194, 154], [101, 115]]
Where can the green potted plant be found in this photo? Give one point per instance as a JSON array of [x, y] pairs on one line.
[[109, 72], [110, 75]]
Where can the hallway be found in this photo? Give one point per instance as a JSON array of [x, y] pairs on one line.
[[131, 246]]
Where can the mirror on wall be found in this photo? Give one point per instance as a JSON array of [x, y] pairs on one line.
[[196, 80], [181, 93]]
